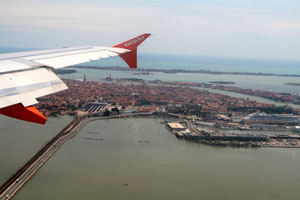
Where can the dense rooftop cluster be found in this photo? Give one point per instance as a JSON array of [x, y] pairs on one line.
[[276, 96], [79, 93]]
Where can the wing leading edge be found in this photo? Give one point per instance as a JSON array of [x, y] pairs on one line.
[[26, 76]]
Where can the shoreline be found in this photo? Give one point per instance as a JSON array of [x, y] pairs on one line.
[[273, 96], [175, 71], [25, 173]]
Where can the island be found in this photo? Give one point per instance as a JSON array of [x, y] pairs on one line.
[[222, 82]]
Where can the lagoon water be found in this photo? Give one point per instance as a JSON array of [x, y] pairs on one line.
[[141, 159], [20, 140]]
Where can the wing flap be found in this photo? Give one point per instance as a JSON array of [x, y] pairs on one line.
[[11, 65], [25, 86]]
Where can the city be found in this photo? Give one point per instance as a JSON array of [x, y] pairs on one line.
[[202, 115]]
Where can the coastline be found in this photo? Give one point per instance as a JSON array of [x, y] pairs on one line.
[[175, 71], [273, 96]]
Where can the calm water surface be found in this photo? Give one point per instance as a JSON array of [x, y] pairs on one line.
[[20, 140], [123, 166]]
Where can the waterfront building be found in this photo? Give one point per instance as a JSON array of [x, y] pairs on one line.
[[174, 126], [268, 127], [296, 129], [147, 108], [96, 107], [182, 134], [262, 118], [205, 124]]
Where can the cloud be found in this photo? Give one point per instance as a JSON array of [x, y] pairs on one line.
[[75, 16], [111, 18]]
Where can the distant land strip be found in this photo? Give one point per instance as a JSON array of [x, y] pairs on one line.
[[64, 71], [174, 71], [274, 96], [222, 82], [291, 83]]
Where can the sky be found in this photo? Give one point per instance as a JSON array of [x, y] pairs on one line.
[[227, 28]]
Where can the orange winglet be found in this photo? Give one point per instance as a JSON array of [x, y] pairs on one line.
[[131, 57], [29, 113]]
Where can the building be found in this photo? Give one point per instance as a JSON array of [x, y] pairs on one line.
[[176, 126], [174, 108], [189, 107], [84, 78], [94, 107], [147, 109], [205, 124], [262, 118], [223, 118]]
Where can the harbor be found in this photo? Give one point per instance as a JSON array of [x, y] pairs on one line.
[[91, 169], [186, 127], [207, 133]]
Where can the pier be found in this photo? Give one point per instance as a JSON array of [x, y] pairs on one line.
[[189, 131]]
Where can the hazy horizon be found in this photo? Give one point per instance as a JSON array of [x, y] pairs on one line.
[[16, 49]]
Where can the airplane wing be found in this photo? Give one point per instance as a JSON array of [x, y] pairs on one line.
[[25, 76]]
